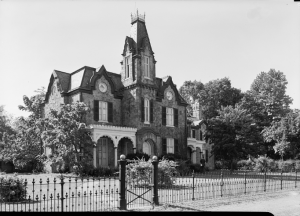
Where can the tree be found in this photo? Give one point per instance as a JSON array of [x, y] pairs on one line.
[[218, 93], [5, 126], [211, 96], [232, 134], [25, 147], [286, 134], [190, 91], [65, 134], [267, 102]]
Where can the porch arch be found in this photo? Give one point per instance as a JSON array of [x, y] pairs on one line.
[[104, 152]]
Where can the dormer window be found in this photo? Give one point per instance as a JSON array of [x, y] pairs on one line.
[[147, 66], [127, 66]]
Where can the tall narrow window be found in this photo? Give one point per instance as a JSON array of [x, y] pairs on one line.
[[193, 134], [147, 110], [147, 67], [170, 145], [201, 135], [102, 111], [127, 66], [170, 117]]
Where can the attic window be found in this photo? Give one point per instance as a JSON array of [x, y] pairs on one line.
[[127, 66], [147, 67], [76, 79]]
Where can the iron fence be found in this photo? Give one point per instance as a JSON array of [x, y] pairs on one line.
[[218, 184], [124, 192], [65, 194]]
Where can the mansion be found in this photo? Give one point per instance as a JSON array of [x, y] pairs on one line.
[[134, 110]]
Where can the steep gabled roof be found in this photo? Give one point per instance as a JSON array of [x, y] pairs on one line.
[[131, 43], [163, 85]]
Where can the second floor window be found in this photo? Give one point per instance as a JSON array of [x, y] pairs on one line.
[[102, 111], [147, 67], [193, 133], [170, 117]]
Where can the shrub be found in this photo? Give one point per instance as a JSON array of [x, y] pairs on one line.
[[102, 171], [183, 166], [196, 168], [12, 189], [138, 155], [245, 165], [170, 156], [288, 165], [264, 164], [139, 173]]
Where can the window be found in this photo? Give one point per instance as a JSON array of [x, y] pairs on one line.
[[127, 66], [193, 134], [147, 109], [147, 68], [102, 111], [170, 117], [147, 148], [201, 136], [206, 156], [170, 145]]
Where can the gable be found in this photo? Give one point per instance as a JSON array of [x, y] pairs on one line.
[[169, 84]]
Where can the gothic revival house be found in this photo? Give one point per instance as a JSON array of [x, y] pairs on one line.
[[198, 147], [131, 111]]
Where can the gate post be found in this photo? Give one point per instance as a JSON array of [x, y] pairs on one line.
[[245, 183], [281, 179], [122, 176], [296, 180], [155, 179], [265, 181], [62, 192]]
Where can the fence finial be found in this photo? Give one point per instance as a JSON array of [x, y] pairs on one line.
[[122, 157]]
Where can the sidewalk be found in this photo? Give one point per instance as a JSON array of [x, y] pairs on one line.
[[281, 203]]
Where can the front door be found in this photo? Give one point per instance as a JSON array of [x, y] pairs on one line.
[[103, 152]]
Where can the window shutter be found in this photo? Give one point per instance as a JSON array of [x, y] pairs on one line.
[[206, 156], [175, 117], [176, 146], [110, 112], [164, 145], [96, 110], [151, 111], [201, 137], [164, 116], [142, 109]]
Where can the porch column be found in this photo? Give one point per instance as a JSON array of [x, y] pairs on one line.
[[193, 156], [94, 156], [116, 156]]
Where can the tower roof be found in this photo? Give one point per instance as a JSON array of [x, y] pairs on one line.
[[138, 32]]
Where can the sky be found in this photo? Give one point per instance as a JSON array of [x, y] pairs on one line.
[[192, 40]]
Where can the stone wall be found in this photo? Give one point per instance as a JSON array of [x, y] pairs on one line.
[[107, 96]]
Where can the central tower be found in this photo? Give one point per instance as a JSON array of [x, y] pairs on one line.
[[138, 64]]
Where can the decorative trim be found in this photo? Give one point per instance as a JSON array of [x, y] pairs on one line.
[[112, 128], [147, 130]]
